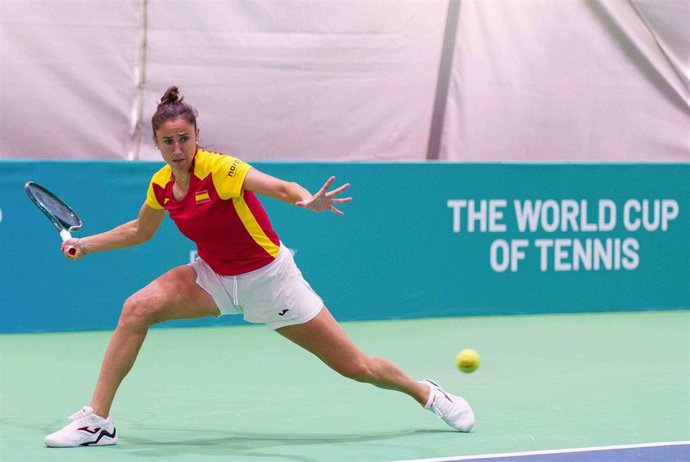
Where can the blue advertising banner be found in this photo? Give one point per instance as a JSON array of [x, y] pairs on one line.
[[418, 240]]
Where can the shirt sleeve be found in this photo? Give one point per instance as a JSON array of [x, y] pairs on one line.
[[157, 184], [151, 199], [228, 177]]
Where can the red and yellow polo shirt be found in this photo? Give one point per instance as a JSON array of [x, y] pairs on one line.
[[229, 226]]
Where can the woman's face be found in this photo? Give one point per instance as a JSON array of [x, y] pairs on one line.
[[177, 141]]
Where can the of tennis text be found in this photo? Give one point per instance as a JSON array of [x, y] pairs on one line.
[[614, 248]]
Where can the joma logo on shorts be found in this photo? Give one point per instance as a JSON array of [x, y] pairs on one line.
[[282, 313]]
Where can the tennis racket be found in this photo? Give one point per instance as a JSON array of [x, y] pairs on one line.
[[58, 212]]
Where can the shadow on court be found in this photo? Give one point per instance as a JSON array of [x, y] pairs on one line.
[[240, 444], [254, 440]]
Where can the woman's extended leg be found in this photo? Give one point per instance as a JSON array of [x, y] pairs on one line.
[[324, 337]]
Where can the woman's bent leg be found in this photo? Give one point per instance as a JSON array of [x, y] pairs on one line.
[[174, 295]]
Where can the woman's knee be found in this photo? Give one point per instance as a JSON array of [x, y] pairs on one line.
[[138, 311]]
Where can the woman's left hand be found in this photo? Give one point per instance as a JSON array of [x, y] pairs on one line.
[[325, 199]]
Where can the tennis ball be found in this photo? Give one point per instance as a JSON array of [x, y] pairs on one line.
[[467, 360]]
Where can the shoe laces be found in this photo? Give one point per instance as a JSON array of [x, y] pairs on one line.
[[79, 415]]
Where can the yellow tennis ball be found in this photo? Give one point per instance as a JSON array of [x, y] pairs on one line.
[[467, 360]]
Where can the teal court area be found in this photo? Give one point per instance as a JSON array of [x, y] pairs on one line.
[[243, 393]]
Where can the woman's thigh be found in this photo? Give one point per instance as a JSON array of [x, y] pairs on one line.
[[325, 338], [173, 295]]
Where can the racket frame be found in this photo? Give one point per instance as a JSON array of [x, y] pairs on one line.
[[63, 227]]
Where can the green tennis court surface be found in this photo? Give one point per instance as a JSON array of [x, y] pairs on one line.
[[246, 394]]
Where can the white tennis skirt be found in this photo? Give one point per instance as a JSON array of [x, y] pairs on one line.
[[276, 295]]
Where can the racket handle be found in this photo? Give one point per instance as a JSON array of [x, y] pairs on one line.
[[64, 234]]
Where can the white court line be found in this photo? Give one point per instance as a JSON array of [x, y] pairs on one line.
[[557, 451]]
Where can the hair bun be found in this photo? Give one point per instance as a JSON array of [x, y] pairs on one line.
[[171, 96], [171, 107]]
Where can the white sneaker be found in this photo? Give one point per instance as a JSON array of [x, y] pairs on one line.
[[86, 429], [454, 410]]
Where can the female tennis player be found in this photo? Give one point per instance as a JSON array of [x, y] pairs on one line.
[[243, 268]]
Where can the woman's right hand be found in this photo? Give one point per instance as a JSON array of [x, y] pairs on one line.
[[72, 249], [325, 199]]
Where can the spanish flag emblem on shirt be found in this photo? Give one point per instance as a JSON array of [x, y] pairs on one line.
[[202, 196]]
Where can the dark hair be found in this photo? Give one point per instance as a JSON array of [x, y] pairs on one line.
[[172, 106]]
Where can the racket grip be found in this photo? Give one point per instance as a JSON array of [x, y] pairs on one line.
[[64, 234]]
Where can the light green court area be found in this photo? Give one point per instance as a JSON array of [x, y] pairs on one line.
[[247, 394]]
